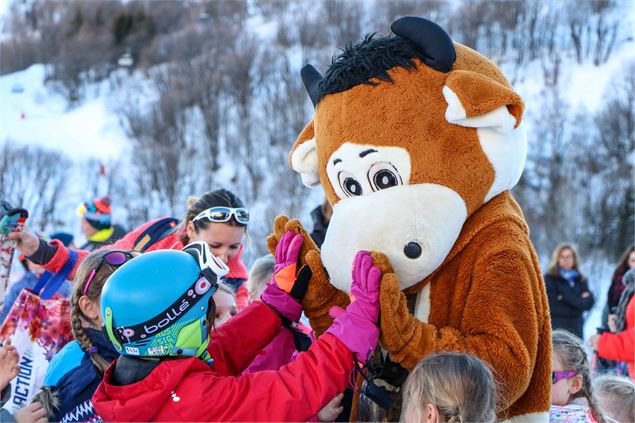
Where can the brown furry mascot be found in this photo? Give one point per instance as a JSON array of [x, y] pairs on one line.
[[417, 142]]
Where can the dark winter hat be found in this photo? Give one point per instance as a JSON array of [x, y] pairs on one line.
[[65, 237], [97, 212]]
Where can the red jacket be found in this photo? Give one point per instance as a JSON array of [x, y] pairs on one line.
[[189, 390], [171, 242], [621, 346]]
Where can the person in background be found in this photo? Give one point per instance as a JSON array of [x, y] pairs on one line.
[[450, 387], [619, 343], [65, 238], [259, 276], [627, 262], [75, 372], [567, 291], [572, 398], [97, 226], [321, 216]]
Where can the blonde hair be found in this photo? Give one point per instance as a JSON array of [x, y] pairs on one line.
[[617, 393], [82, 274], [553, 266], [461, 386], [570, 351], [259, 275]]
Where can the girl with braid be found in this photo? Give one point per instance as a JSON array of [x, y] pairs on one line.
[[572, 398], [75, 372]]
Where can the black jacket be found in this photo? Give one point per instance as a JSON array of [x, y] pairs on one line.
[[567, 304], [320, 225]]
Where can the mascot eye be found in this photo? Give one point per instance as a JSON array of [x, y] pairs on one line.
[[350, 185], [383, 175]]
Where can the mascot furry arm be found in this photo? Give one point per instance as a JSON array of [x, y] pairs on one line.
[[417, 141]]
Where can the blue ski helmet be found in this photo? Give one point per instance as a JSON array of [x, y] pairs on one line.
[[156, 304]]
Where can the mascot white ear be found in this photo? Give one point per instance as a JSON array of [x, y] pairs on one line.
[[495, 111], [303, 157]]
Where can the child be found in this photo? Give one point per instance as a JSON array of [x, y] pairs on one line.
[[450, 387], [572, 397], [158, 309], [75, 372], [616, 398], [225, 301], [259, 276]]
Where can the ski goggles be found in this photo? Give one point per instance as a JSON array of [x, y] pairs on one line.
[[562, 374], [223, 214], [114, 258], [211, 266]]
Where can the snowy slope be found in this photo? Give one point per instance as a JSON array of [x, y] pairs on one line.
[[38, 116]]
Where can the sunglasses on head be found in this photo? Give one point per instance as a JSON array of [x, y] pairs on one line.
[[114, 258], [224, 214], [563, 374]]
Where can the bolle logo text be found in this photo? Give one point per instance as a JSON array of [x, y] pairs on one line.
[[171, 315]]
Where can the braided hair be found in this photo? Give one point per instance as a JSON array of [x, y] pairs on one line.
[[78, 319], [218, 198], [461, 387], [570, 351]]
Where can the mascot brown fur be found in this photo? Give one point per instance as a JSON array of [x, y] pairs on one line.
[[417, 141]]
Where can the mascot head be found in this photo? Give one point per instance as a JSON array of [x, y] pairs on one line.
[[412, 134]]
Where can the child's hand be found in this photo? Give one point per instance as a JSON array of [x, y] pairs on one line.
[[593, 342], [9, 368], [333, 409], [612, 322], [33, 413]]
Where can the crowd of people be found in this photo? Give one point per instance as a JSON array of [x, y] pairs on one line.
[[168, 324]]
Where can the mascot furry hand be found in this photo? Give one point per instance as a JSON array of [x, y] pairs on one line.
[[417, 141]]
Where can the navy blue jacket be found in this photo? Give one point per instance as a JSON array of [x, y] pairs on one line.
[[73, 378]]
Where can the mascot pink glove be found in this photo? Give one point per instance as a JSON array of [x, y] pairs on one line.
[[357, 326], [287, 286]]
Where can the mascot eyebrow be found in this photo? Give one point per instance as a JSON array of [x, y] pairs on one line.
[[362, 155]]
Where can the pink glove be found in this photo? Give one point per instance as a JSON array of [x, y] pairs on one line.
[[286, 286], [357, 326]]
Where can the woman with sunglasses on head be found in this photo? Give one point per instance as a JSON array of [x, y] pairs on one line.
[[217, 218], [75, 372]]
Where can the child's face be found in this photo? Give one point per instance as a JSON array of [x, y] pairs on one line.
[[562, 390], [225, 307]]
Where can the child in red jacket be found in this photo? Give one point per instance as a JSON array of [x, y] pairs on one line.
[[157, 310]]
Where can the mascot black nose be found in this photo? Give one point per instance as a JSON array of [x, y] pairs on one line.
[[412, 250]]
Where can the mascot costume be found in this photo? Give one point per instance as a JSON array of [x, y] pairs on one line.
[[417, 141]]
